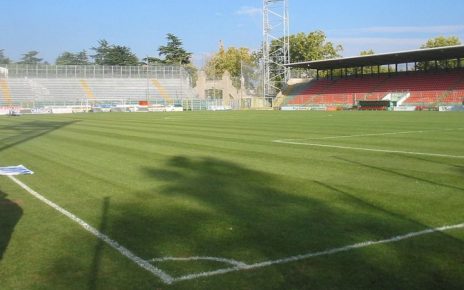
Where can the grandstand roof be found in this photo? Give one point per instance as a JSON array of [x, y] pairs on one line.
[[426, 54]]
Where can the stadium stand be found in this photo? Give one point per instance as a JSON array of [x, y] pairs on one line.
[[423, 88], [439, 81], [75, 84]]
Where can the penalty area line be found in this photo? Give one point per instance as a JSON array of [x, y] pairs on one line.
[[115, 245], [369, 135], [368, 149], [321, 253], [353, 136]]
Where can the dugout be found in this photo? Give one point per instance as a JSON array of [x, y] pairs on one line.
[[376, 105]]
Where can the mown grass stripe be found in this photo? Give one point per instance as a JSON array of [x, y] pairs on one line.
[[115, 245]]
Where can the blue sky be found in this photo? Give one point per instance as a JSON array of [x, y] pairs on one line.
[[54, 26]]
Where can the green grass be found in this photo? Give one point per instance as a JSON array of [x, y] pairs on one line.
[[214, 184]]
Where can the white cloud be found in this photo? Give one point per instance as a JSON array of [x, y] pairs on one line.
[[354, 45], [249, 11], [389, 38], [442, 29], [376, 40]]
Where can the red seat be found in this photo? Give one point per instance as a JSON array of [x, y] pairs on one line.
[[424, 88]]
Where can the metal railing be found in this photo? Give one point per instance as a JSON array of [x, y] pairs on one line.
[[94, 71]]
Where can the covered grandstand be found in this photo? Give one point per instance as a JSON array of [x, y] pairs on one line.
[[425, 78]]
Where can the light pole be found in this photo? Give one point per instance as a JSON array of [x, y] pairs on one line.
[[148, 79]]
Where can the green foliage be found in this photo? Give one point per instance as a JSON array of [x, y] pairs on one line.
[[120, 55], [100, 51], [365, 70], [309, 46], [367, 52], [69, 58], [30, 58], [172, 52], [312, 46], [107, 54], [193, 73], [239, 62], [440, 41], [231, 59], [3, 58]]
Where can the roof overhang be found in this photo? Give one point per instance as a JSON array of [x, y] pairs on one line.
[[426, 54]]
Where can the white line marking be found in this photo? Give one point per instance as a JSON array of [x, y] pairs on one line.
[[115, 245], [368, 149], [368, 135], [358, 135], [216, 259], [321, 253], [239, 266]]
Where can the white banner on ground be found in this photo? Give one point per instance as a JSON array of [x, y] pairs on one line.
[[450, 108], [15, 170], [404, 109]]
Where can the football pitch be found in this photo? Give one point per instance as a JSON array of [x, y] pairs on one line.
[[233, 200]]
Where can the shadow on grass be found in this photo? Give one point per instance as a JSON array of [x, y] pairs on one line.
[[448, 162], [19, 133], [217, 208], [10, 214], [390, 171], [97, 257], [214, 207], [210, 207], [351, 198]]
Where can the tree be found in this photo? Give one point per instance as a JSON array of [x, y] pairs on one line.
[[3, 58], [367, 52], [440, 41], [232, 60], [120, 55], [82, 57], [101, 51], [239, 62], [69, 58], [312, 46], [107, 54], [172, 52], [30, 58]]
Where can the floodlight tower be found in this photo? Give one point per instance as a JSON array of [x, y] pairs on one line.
[[276, 47]]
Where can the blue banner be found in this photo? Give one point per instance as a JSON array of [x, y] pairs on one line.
[[15, 170]]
